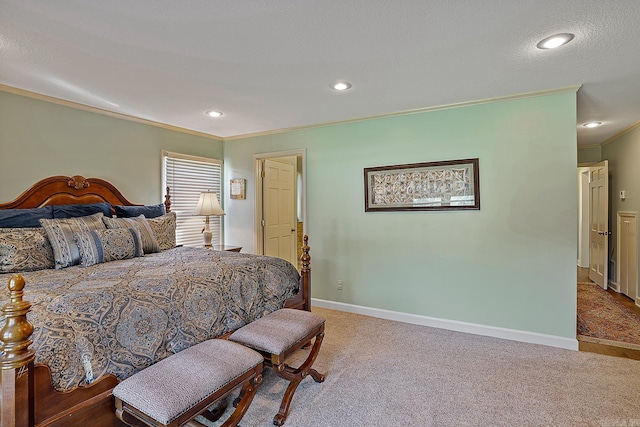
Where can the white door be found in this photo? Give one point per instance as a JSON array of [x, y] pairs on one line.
[[279, 209], [627, 254], [599, 223]]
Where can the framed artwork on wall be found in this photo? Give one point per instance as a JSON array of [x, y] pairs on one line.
[[237, 188], [443, 185]]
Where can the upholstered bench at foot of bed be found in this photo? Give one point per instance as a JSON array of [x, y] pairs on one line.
[[175, 390], [276, 336]]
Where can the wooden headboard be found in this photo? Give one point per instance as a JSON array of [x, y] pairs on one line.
[[69, 190]]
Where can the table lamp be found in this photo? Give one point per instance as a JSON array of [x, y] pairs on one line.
[[208, 205]]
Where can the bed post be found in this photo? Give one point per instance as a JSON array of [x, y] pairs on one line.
[[16, 362], [305, 276], [167, 200]]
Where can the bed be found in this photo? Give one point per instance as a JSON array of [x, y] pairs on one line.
[[100, 322]]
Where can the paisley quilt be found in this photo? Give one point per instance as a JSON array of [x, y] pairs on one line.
[[122, 316]]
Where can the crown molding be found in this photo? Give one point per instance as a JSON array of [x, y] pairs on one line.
[[97, 110], [89, 108], [414, 111], [619, 134]]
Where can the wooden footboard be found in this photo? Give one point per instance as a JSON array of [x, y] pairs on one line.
[[302, 300], [27, 396]]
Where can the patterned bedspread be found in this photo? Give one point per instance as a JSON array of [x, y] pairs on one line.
[[122, 316]]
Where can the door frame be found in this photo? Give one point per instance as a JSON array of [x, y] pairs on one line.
[[583, 217], [301, 192]]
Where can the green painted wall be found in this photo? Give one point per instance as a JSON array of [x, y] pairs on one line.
[[623, 154], [40, 139], [589, 154], [512, 264]]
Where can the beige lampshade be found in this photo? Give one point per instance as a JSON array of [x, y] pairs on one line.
[[208, 205]]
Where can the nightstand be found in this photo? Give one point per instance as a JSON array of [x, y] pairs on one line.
[[227, 248]]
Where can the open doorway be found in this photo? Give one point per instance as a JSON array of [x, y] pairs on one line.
[[598, 321], [593, 221], [280, 204]]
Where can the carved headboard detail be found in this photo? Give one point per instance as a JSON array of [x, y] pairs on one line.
[[78, 182]]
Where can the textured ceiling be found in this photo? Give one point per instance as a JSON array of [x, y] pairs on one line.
[[268, 64]]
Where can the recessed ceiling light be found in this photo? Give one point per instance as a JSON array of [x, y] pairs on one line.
[[341, 86], [592, 124], [555, 41], [214, 113]]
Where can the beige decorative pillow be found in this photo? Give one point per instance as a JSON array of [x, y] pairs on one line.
[[60, 233], [98, 246], [149, 242], [164, 227], [24, 249]]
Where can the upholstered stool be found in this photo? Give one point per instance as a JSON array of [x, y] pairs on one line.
[[175, 390], [276, 336]]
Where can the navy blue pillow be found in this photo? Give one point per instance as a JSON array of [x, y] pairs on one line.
[[151, 211], [16, 218], [73, 211]]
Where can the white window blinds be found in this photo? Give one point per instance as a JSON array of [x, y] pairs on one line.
[[188, 176]]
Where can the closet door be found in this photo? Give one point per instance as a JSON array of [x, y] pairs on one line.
[[628, 254]]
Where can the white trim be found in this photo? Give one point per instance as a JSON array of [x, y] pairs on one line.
[[175, 155], [452, 325], [406, 112], [72, 104], [614, 285], [102, 111], [286, 153]]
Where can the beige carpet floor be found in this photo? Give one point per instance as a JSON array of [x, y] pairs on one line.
[[385, 373]]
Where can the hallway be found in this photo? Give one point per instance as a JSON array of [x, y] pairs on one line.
[[583, 277]]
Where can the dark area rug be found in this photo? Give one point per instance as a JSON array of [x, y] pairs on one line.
[[603, 320]]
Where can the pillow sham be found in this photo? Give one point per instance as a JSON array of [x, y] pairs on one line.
[[98, 246], [151, 211], [164, 228], [24, 249], [20, 218], [149, 242], [60, 234], [74, 211]]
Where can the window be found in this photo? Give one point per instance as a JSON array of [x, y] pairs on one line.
[[188, 176]]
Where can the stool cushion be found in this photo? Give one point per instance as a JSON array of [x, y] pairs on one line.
[[171, 387], [278, 331]]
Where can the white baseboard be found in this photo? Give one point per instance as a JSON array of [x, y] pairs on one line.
[[614, 286], [453, 325]]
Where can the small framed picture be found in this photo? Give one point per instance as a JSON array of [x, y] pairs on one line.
[[237, 188]]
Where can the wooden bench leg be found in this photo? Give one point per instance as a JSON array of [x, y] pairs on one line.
[[295, 377], [213, 414], [249, 389]]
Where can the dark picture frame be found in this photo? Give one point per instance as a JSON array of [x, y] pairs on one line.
[[431, 186]]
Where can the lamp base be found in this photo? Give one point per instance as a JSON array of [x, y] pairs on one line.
[[207, 235]]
